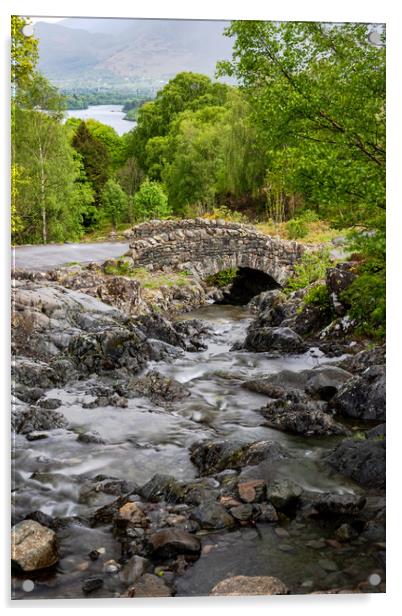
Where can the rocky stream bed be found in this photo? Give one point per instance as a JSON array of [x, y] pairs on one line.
[[227, 450]]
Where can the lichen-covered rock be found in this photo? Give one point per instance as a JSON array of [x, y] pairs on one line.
[[213, 516], [338, 279], [27, 371], [33, 546], [333, 504], [265, 512], [170, 542], [241, 585], [363, 396], [91, 437], [201, 490], [214, 456], [159, 389], [300, 418], [36, 419], [252, 491], [364, 461], [281, 339], [131, 515], [242, 512], [184, 334], [163, 487], [283, 492], [364, 359], [53, 324]]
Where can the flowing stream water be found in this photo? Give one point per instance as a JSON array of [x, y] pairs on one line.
[[53, 474]]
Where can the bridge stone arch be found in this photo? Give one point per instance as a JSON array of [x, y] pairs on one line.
[[207, 247]]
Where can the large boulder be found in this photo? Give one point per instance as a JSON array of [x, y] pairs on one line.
[[303, 418], [35, 419], [325, 382], [282, 493], [214, 456], [201, 490], [338, 279], [364, 461], [159, 389], [241, 585], [276, 384], [33, 546], [364, 359], [184, 334], [281, 339], [163, 487], [333, 504], [363, 396], [271, 307], [52, 324]]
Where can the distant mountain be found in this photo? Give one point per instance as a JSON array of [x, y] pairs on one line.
[[88, 52]]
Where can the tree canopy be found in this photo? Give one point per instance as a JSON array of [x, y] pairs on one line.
[[317, 93]]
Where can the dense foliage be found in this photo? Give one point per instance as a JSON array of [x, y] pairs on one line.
[[150, 201], [82, 98]]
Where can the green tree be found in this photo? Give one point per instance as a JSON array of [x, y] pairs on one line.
[[96, 161], [194, 173], [186, 91], [151, 202], [24, 57], [50, 202], [45, 203], [130, 176], [110, 139], [24, 52], [244, 151], [114, 201]]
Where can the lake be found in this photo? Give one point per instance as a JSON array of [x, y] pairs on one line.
[[112, 115]]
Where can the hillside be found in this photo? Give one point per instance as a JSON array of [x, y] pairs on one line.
[[84, 52]]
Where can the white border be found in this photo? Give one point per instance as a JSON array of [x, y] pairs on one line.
[[341, 10]]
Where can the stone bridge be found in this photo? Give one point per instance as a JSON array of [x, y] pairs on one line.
[[207, 247]]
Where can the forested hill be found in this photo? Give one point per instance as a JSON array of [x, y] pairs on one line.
[[93, 51]]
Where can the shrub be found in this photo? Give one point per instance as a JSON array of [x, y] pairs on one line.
[[318, 296], [114, 201], [309, 216], [118, 268], [366, 295], [221, 279], [225, 213], [296, 228], [311, 267]]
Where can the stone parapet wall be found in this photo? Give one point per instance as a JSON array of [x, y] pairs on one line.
[[206, 247]]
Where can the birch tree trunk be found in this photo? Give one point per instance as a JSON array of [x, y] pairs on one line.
[[42, 194]]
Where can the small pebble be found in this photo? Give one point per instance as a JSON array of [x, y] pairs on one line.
[[92, 584], [328, 565], [111, 566]]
